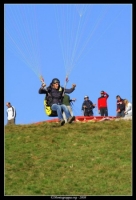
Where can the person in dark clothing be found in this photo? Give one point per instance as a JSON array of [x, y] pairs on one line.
[[54, 96], [120, 107], [102, 104], [88, 106]]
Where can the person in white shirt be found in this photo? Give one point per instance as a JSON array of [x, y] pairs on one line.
[[128, 108], [11, 113]]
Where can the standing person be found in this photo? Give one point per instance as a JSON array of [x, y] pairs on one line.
[[88, 106], [102, 104], [120, 107], [11, 113], [67, 101], [54, 96], [128, 108]]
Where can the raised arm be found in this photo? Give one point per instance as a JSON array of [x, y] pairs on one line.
[[42, 89], [106, 95], [68, 91]]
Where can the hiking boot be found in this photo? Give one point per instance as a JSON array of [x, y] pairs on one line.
[[73, 118], [62, 122], [70, 119]]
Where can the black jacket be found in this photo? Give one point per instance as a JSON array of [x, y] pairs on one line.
[[88, 104], [54, 96], [120, 105]]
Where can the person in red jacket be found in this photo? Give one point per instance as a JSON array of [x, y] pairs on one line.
[[102, 104]]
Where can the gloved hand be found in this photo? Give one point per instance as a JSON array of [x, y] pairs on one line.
[[43, 85], [73, 85]]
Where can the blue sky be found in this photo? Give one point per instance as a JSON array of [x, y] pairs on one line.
[[91, 43]]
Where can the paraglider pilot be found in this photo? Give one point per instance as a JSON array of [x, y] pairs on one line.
[[54, 95]]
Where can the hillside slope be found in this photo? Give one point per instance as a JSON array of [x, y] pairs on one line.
[[75, 159]]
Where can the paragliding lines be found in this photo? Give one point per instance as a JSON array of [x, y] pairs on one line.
[[23, 33], [81, 8], [69, 33], [23, 55], [61, 41], [73, 34], [96, 41], [91, 33]]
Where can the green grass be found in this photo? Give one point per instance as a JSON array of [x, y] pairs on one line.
[[75, 159]]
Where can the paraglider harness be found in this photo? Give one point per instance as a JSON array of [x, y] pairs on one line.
[[47, 103], [48, 110]]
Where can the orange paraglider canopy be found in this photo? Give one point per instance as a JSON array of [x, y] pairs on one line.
[[84, 119]]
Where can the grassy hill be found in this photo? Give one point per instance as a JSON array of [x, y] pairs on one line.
[[74, 159]]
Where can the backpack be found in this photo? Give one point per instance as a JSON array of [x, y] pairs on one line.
[[47, 107]]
